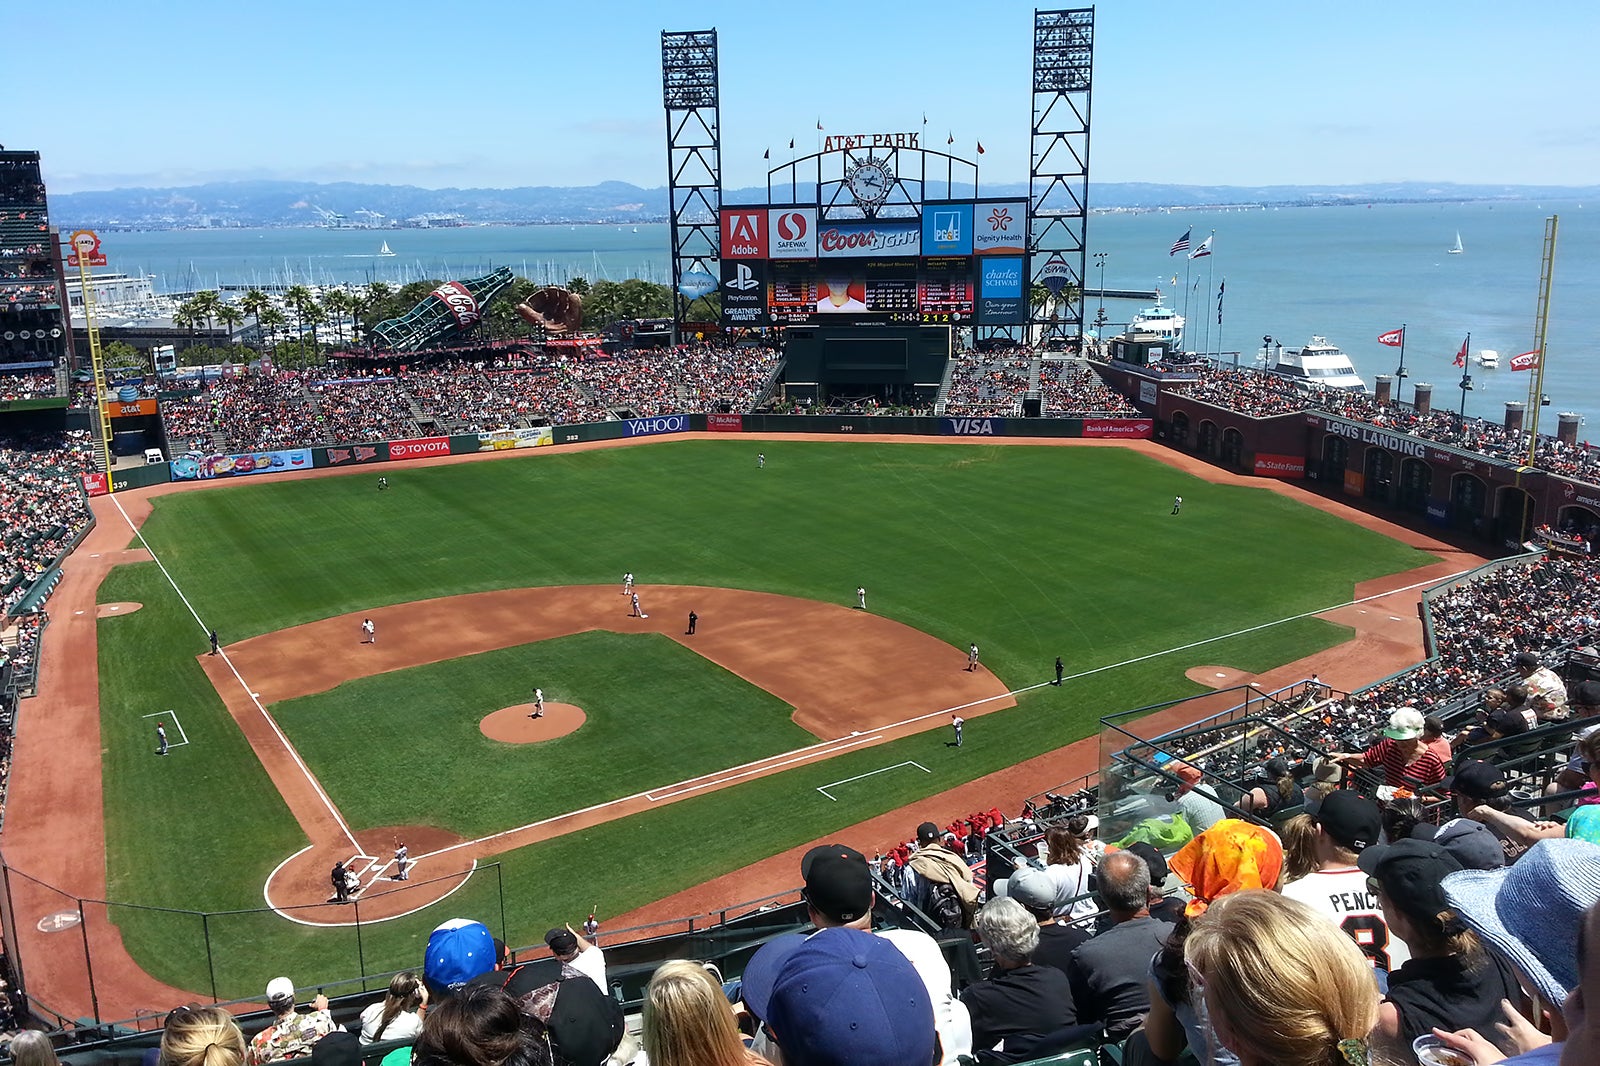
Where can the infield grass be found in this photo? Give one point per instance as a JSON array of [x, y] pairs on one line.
[[1033, 552]]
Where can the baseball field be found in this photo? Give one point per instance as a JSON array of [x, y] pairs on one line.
[[684, 756]]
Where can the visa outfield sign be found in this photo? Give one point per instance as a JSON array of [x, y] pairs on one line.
[[973, 427], [849, 240]]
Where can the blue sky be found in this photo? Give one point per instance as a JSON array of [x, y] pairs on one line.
[[485, 94]]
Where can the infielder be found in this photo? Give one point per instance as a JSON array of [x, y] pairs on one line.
[[972, 657], [627, 583], [161, 739], [369, 630], [636, 612], [861, 597], [956, 722]]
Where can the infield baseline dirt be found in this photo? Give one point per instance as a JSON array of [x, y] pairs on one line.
[[55, 793]]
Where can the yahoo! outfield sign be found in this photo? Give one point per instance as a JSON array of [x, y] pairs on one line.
[[649, 427]]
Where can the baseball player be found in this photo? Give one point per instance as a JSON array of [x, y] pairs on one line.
[[861, 597], [215, 644], [591, 928], [161, 739], [402, 862], [369, 630], [956, 722], [538, 703], [761, 460], [636, 612], [627, 583], [383, 483], [1177, 504], [1059, 669], [972, 657]]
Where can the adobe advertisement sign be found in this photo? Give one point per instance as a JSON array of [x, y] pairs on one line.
[[1000, 229], [847, 240], [744, 293], [1000, 291], [1280, 466], [744, 233], [792, 232]]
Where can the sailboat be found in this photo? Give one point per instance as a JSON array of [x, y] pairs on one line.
[[385, 249], [1457, 250]]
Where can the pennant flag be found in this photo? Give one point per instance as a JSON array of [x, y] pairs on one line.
[[767, 154], [1461, 356], [819, 123], [924, 118], [791, 144], [1204, 249], [1525, 361], [1181, 244], [1395, 338], [950, 139], [980, 147], [1220, 289]]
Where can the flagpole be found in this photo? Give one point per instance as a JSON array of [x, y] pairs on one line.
[[1466, 380], [1219, 321], [1209, 275], [1400, 374], [1186, 263]]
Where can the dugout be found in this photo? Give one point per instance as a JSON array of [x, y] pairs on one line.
[[897, 365]]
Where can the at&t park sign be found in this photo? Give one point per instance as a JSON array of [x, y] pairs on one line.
[[846, 141]]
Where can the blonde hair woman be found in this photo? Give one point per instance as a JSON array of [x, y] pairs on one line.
[[1284, 986], [31, 1048], [201, 1036], [688, 1021]]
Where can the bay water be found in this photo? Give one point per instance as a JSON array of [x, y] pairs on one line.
[[1347, 273]]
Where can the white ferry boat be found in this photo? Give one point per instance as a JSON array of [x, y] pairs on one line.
[[1319, 365], [1488, 358], [1160, 320]]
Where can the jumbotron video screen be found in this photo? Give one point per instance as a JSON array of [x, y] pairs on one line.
[[961, 263]]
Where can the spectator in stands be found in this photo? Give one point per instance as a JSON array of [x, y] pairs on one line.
[[1502, 723], [1473, 846], [1585, 704], [1400, 816], [1299, 836], [199, 1036], [1021, 1004], [939, 883], [575, 1019], [1406, 762], [1449, 982], [1108, 972], [838, 892], [1538, 915], [1516, 828], [480, 1026], [1036, 891], [1070, 865], [1281, 988], [1279, 792], [576, 951], [1196, 799], [1326, 774], [1483, 794], [32, 1048], [1541, 680], [1433, 737], [458, 951], [1163, 908], [1347, 825], [1232, 856], [687, 1020], [398, 1016], [291, 1034], [848, 998]]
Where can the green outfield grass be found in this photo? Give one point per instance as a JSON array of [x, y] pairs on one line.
[[1033, 552]]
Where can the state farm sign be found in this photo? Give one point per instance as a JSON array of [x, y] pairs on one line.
[[744, 233]]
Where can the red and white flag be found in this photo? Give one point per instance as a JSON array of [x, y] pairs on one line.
[[1395, 338], [1525, 361], [1461, 356]]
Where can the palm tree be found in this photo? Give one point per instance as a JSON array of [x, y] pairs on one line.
[[271, 320], [207, 302], [255, 304], [230, 316], [338, 303], [299, 297]]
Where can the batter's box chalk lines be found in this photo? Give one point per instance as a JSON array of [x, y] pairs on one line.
[[881, 770], [173, 715]]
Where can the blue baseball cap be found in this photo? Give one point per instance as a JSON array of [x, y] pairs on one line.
[[458, 951], [848, 998], [761, 972]]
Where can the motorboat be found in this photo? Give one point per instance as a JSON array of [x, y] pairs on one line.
[[1488, 358], [1161, 321], [1318, 365]]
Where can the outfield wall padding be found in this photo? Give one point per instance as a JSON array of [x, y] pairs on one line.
[[137, 477]]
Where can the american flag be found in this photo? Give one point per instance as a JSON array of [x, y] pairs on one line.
[[1181, 244]]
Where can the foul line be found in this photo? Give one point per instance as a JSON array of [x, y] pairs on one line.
[[174, 716], [290, 748], [882, 770]]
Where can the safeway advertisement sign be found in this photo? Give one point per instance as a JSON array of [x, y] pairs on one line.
[[1129, 428], [420, 448], [744, 233], [792, 232]]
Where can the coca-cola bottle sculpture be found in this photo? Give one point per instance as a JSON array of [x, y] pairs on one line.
[[447, 312]]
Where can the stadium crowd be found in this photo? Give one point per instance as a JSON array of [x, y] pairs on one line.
[[990, 383], [43, 508], [27, 385], [1075, 389]]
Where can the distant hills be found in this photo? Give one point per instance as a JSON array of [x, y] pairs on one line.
[[289, 203]]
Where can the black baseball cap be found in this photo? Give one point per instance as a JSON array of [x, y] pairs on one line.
[[1352, 821], [1478, 779], [1586, 694], [1507, 722], [561, 941], [927, 833], [1152, 858], [1410, 871], [1526, 659], [838, 882]]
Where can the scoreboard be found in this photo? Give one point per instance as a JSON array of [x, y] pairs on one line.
[[960, 263]]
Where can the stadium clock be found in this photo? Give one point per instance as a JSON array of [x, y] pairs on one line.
[[869, 181]]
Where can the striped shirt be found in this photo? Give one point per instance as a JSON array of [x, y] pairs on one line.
[[1425, 768]]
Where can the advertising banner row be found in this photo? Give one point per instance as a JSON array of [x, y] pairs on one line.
[[986, 227]]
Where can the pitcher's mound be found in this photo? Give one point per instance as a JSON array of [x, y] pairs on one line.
[[1218, 676], [112, 610], [514, 725]]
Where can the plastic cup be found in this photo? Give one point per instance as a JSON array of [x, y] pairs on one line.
[[1431, 1051]]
